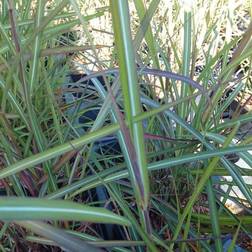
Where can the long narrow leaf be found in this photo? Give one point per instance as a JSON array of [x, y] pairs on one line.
[[13, 209]]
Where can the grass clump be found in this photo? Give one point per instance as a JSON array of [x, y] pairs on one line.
[[121, 125]]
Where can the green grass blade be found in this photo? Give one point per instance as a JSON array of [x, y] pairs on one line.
[[36, 46], [145, 29], [232, 244], [56, 151], [128, 77], [13, 209], [214, 216], [67, 241], [183, 108]]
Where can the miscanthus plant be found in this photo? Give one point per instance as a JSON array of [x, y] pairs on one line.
[[129, 156]]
